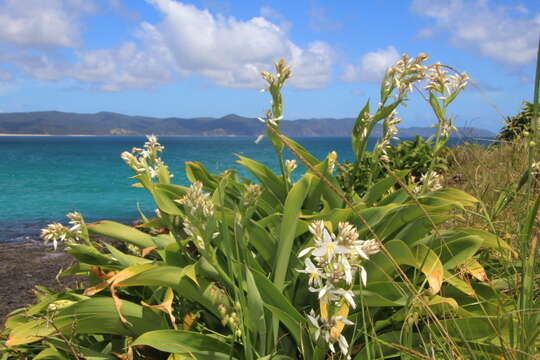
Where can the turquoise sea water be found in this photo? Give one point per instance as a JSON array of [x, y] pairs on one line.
[[43, 178]]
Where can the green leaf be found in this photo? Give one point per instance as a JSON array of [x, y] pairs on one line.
[[290, 323], [435, 105], [262, 241], [195, 171], [273, 296], [312, 160], [121, 232], [125, 259], [50, 353], [380, 268], [268, 179], [163, 200], [378, 189], [186, 342], [358, 129], [95, 315], [255, 310], [89, 255], [381, 294], [291, 212]]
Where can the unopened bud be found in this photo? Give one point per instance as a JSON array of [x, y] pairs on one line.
[[237, 306]]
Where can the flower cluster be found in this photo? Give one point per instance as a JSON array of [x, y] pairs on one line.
[[390, 133], [441, 82], [332, 161], [327, 328], [283, 72], [56, 232], [230, 318], [274, 85], [404, 74], [432, 181], [145, 160], [199, 209], [336, 261], [252, 193], [290, 165]]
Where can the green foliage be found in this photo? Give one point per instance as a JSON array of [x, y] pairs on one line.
[[416, 156], [519, 125], [216, 274]]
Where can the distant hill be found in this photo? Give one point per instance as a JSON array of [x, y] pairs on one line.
[[107, 123]]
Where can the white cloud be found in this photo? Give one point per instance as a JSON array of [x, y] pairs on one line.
[[506, 34], [188, 40], [42, 23], [372, 66], [231, 52]]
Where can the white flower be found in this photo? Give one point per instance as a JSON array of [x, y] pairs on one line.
[[290, 165], [347, 270], [327, 247], [348, 295], [315, 274], [365, 248], [314, 320], [343, 346], [363, 275]]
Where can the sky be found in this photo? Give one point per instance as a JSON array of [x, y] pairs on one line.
[[167, 58]]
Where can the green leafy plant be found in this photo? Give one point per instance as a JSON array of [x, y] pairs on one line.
[[423, 158], [519, 125], [281, 269]]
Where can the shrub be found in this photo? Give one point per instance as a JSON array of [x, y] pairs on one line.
[[518, 125]]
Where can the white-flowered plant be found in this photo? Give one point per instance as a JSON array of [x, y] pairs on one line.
[[430, 181], [146, 160], [332, 266], [199, 209], [57, 232]]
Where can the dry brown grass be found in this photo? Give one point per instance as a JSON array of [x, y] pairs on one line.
[[488, 173]]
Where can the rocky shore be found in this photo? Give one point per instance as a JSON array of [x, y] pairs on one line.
[[25, 265]]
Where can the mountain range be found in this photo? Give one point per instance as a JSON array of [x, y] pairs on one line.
[[108, 123]]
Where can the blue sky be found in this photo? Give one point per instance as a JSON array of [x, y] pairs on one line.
[[202, 58]]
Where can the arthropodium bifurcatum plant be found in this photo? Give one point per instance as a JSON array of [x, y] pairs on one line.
[[229, 268]]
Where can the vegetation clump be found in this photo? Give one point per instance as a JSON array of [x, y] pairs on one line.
[[519, 125], [371, 262]]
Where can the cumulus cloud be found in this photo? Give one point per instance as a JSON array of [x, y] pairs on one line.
[[188, 41], [506, 34], [42, 23], [372, 66], [230, 52]]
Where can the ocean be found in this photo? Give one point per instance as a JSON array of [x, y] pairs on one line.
[[44, 177]]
